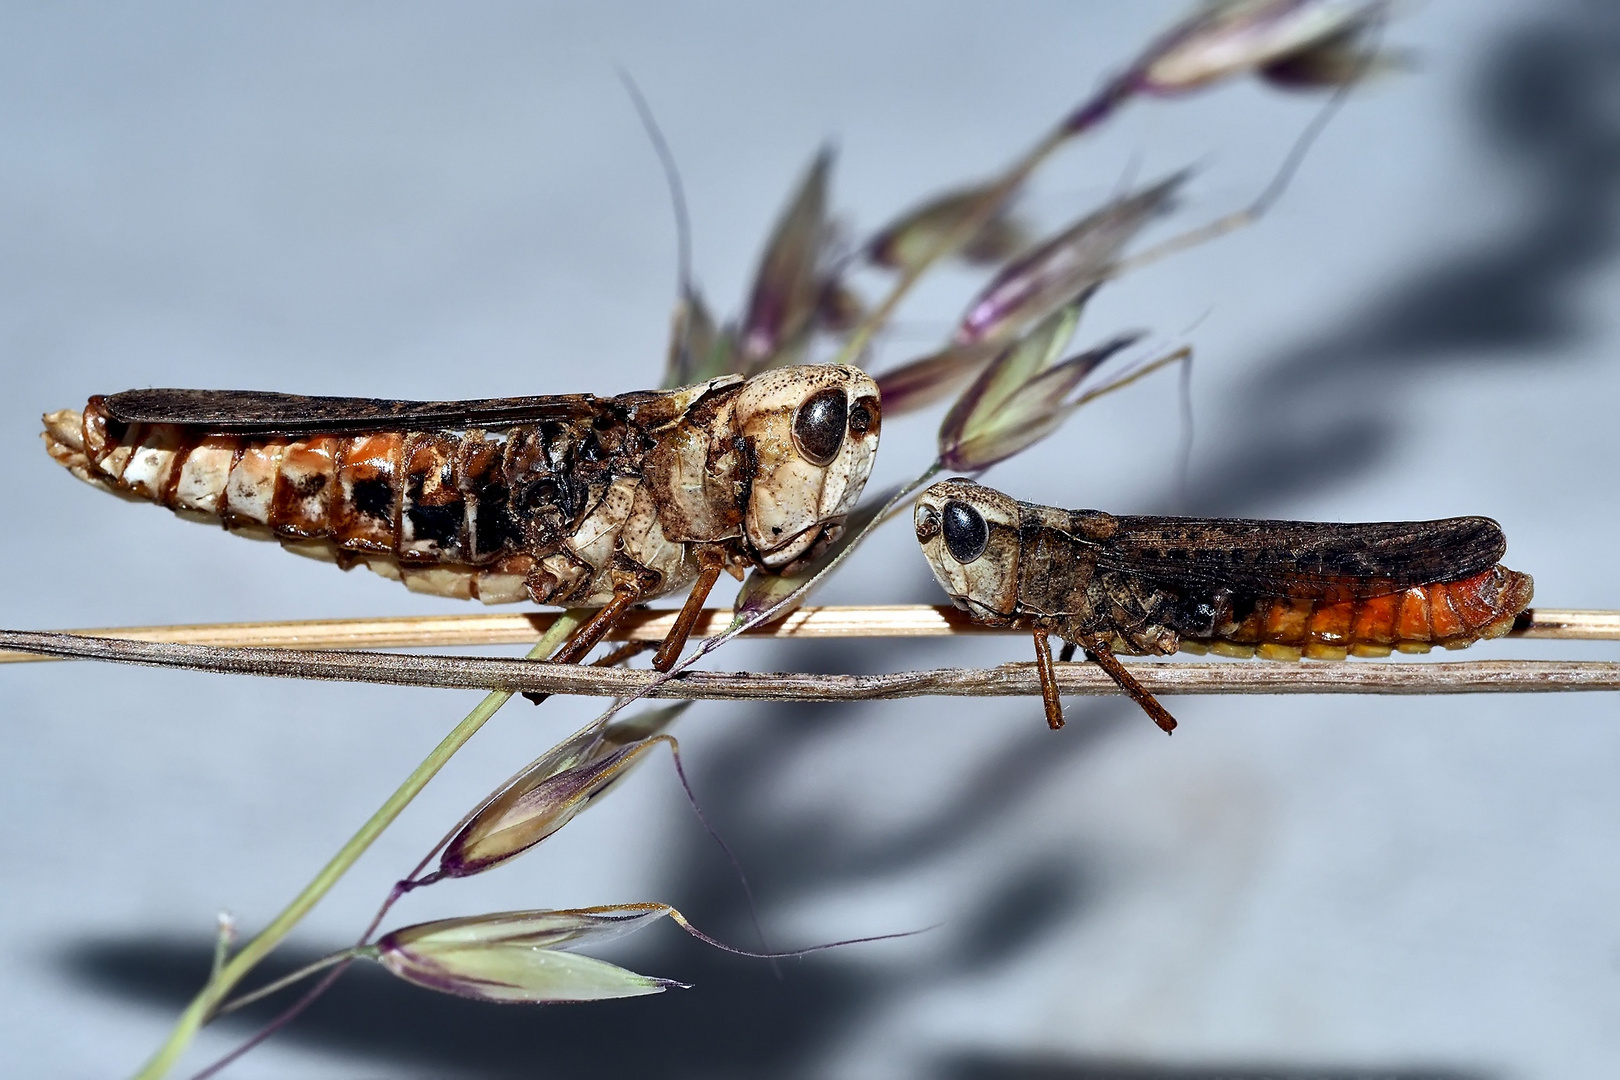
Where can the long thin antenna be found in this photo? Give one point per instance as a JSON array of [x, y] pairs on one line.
[[672, 177]]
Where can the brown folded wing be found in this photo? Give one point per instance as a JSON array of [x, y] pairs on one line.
[[262, 412], [1326, 561]]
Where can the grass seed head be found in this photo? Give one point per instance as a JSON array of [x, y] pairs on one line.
[[917, 236], [1063, 268], [521, 957], [552, 791], [921, 382], [1238, 37], [792, 280], [1022, 396]]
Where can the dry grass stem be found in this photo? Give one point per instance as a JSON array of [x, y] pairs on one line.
[[482, 673], [439, 631]]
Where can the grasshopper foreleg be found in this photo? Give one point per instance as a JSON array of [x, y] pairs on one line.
[[1049, 688], [670, 651]]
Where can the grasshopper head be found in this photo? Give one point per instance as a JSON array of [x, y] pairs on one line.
[[812, 431], [969, 535]]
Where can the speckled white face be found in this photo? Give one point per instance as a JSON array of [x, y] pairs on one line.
[[813, 431], [969, 535]]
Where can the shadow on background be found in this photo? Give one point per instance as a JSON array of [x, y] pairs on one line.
[[994, 1068], [1498, 302], [739, 1019], [1337, 406]]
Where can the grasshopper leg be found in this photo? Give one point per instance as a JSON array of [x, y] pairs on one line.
[[624, 652], [1105, 658], [1049, 689], [675, 641], [592, 630], [1067, 652]]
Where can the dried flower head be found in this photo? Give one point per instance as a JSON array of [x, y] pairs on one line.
[[552, 790], [1062, 268], [1236, 37], [917, 236], [1022, 396], [521, 957]]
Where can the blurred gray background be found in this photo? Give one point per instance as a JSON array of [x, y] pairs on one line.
[[426, 201]]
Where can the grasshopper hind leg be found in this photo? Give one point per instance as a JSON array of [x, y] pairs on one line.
[[586, 636], [628, 651], [1104, 657]]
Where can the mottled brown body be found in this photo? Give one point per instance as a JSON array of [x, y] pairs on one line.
[[1274, 589], [1086, 574], [587, 498]]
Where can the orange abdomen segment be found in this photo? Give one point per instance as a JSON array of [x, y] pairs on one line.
[[345, 489], [404, 503], [1453, 614]]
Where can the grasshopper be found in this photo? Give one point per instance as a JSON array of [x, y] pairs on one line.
[[1154, 585], [570, 500]]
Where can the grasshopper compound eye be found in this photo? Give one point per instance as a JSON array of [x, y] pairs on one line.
[[864, 416], [966, 533], [926, 521], [818, 426]]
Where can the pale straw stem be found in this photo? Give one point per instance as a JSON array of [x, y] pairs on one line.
[[866, 621]]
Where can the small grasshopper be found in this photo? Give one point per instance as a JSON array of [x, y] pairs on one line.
[[1153, 585], [570, 500]]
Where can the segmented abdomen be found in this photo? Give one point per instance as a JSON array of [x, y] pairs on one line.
[[1452, 614], [477, 514]]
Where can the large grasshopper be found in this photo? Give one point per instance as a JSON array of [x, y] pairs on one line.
[[570, 500]]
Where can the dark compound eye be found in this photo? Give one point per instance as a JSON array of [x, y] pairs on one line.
[[966, 534], [927, 523], [818, 427], [864, 416]]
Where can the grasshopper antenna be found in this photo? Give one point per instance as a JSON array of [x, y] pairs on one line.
[[672, 178]]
